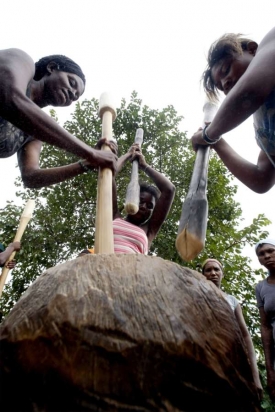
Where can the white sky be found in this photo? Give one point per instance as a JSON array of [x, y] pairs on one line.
[[156, 47]]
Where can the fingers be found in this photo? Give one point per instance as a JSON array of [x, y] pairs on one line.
[[112, 144], [11, 264]]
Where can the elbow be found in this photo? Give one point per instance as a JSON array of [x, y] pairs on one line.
[[29, 184], [172, 190], [31, 181], [262, 188]]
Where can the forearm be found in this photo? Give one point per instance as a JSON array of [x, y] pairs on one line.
[[268, 345], [258, 179], [4, 256], [252, 359], [27, 116], [35, 179], [122, 160], [162, 183]]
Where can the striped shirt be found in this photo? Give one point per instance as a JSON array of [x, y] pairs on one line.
[[129, 238]]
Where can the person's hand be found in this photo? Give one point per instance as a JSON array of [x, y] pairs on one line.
[[197, 139], [105, 159], [136, 154], [112, 144], [134, 151], [15, 245], [11, 264], [141, 160]]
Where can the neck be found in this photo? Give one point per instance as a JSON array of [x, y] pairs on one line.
[[36, 93], [271, 276]]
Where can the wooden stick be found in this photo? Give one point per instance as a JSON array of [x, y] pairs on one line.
[[24, 220], [104, 239], [193, 222], [133, 190]]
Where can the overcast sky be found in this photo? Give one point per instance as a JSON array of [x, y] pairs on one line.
[[156, 47]]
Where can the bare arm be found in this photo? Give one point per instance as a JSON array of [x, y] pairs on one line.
[[4, 256], [259, 178], [164, 202], [34, 177], [120, 163], [268, 345], [17, 70], [249, 347]]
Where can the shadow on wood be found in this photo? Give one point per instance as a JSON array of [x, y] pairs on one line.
[[123, 333]]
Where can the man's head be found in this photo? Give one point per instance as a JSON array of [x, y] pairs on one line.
[[231, 51]]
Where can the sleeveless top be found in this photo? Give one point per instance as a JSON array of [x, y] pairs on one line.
[[129, 238], [264, 124], [12, 139]]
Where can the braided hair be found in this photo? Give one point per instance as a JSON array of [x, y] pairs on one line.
[[63, 64]]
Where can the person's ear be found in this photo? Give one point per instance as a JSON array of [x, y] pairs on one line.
[[252, 47], [51, 67]]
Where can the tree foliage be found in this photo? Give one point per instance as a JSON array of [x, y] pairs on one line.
[[64, 217]]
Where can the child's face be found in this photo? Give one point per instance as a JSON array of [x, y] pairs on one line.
[[227, 71]]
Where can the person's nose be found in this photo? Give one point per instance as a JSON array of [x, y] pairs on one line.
[[266, 255], [73, 95], [226, 85]]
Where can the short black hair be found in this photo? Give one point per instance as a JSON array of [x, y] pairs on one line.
[[145, 187], [63, 64]]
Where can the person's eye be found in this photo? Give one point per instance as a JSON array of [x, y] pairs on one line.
[[227, 68], [72, 82], [150, 205]]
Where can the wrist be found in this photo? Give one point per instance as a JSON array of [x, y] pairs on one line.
[[145, 168], [84, 167], [207, 138]]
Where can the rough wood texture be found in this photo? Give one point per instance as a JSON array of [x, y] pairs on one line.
[[123, 333], [193, 221]]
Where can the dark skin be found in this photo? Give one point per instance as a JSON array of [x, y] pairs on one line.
[[4, 256], [246, 80], [266, 256], [58, 89], [152, 212], [213, 272]]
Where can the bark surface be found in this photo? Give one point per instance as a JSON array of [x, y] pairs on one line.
[[123, 333]]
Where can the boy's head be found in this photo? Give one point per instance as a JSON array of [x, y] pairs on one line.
[[230, 45]]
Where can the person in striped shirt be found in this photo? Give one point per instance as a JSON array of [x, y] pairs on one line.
[[135, 233]]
